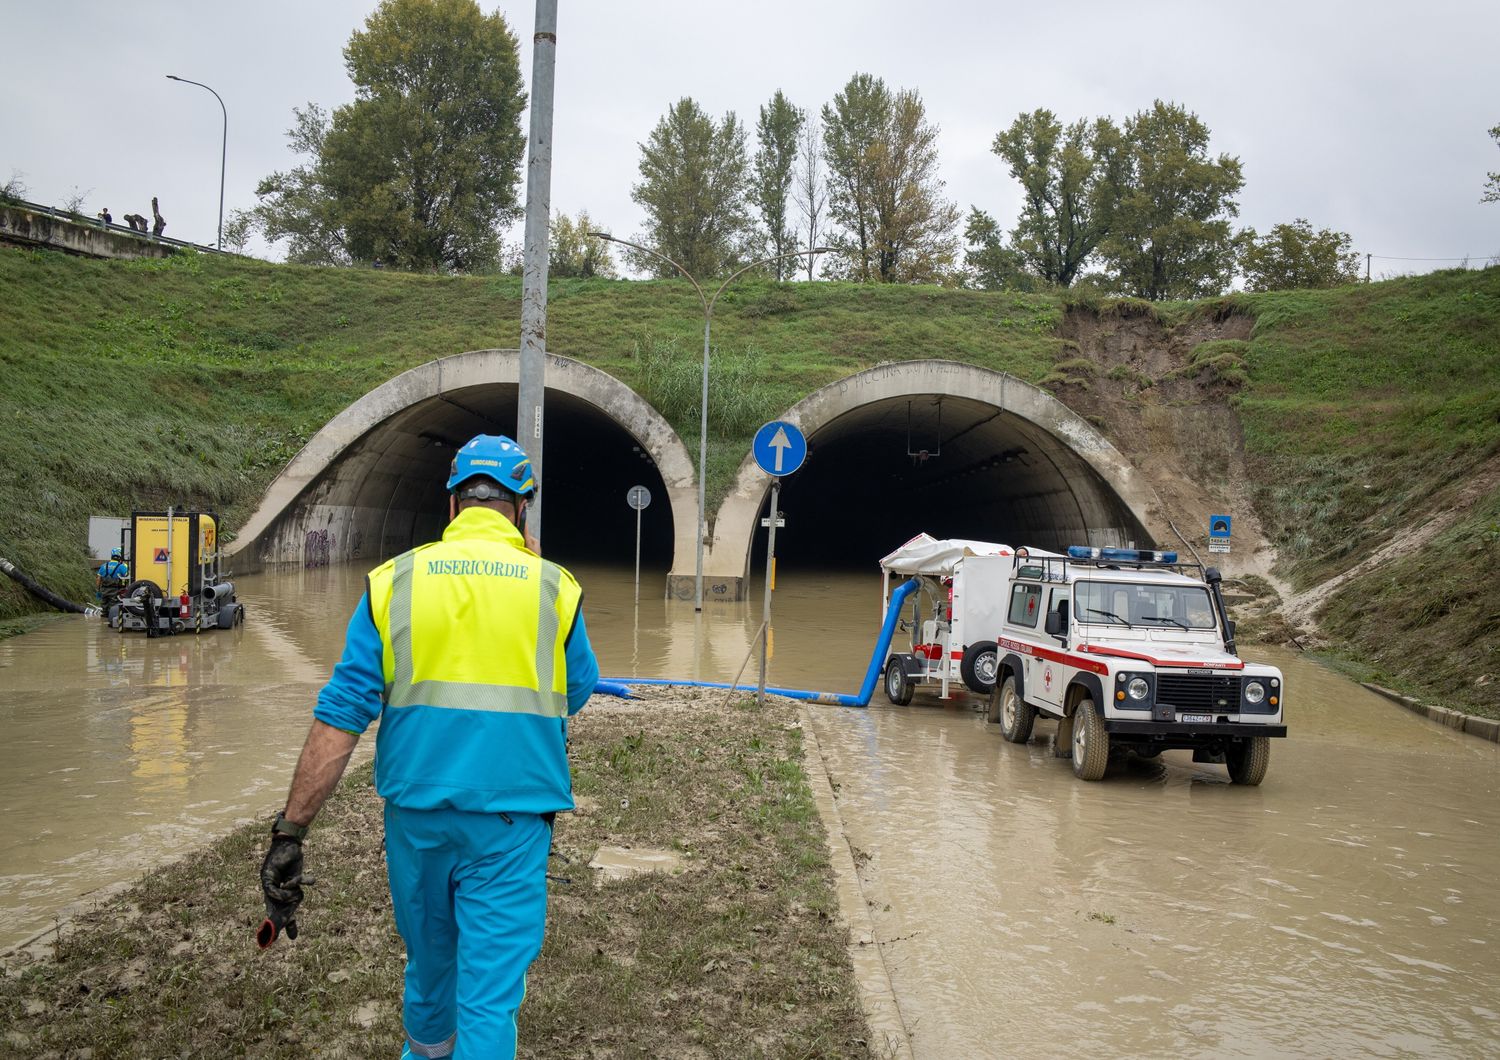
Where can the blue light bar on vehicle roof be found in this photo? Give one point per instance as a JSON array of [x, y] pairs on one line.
[[1120, 555]]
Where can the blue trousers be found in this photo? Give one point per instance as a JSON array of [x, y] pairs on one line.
[[470, 896]]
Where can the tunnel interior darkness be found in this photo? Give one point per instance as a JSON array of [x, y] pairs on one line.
[[399, 469], [953, 467]]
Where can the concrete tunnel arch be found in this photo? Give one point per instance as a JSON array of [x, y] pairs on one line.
[[1034, 472], [369, 484]]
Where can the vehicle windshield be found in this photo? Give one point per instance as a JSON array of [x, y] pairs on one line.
[[1133, 604]]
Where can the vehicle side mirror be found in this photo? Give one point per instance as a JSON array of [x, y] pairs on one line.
[[1230, 626], [1057, 624]]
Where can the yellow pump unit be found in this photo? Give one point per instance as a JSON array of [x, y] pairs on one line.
[[171, 550]]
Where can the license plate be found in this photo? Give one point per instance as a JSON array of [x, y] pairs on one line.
[[1198, 719]]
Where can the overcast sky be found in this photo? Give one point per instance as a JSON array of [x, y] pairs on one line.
[[1367, 117]]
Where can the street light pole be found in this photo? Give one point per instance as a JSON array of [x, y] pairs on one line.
[[223, 150], [708, 315]]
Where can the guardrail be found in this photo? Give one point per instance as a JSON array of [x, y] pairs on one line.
[[94, 222]]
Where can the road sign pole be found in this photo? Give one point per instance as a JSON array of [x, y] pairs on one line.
[[638, 497], [765, 634]]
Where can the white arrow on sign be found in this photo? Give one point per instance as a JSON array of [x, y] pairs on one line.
[[781, 443]]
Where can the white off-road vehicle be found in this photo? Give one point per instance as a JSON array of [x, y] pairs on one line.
[[1130, 651]]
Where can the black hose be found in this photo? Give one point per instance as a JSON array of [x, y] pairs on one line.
[[41, 592]]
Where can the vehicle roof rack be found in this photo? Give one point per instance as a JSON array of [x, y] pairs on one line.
[[1054, 567]]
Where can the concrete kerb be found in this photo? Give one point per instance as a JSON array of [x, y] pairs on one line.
[[889, 1036], [1484, 728]]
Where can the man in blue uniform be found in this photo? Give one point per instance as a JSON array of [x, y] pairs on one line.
[[111, 578], [472, 651]]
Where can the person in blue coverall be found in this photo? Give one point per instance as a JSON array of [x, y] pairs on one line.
[[473, 654]]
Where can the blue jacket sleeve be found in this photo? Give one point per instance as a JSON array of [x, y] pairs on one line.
[[583, 668], [354, 695]]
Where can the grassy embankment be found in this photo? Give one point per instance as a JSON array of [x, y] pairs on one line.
[[196, 378], [739, 953], [1371, 411], [1365, 409]]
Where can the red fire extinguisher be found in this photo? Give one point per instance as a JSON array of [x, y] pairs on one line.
[[184, 608]]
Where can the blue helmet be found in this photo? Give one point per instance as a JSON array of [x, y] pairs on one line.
[[116, 553], [495, 457]]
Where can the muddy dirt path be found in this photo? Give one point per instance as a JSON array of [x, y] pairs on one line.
[[1347, 907]]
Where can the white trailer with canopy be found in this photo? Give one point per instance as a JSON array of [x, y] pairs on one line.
[[955, 616]]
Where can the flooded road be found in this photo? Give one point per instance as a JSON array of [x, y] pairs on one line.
[[122, 752], [1349, 905]]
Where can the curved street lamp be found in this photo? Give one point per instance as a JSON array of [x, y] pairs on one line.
[[223, 150], [708, 314]]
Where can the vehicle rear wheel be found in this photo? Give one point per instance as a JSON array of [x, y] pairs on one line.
[[981, 660], [1247, 760], [1016, 715], [1090, 741], [898, 686]]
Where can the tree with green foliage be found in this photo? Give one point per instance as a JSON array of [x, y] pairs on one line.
[[884, 191], [1293, 256], [852, 126], [777, 132], [1170, 236], [238, 228], [695, 182], [423, 167], [1492, 186], [573, 253], [1071, 179], [991, 264]]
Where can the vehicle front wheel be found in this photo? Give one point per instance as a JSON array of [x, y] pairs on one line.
[[1016, 715], [977, 668], [898, 686], [1247, 760], [1090, 741]]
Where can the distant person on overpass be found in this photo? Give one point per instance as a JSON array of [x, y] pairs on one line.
[[104, 216], [473, 654], [111, 578]]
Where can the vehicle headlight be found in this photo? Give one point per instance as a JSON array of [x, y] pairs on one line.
[[1255, 692], [1138, 688]]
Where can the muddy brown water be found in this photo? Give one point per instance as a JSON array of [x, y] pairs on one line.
[[1350, 905]]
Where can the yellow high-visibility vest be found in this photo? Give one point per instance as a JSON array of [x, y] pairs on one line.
[[475, 622]]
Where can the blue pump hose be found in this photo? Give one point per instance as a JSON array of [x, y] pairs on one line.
[[618, 686]]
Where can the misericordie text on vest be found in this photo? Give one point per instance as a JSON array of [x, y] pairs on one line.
[[481, 567]]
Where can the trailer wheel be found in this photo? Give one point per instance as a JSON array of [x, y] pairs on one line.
[[143, 587], [898, 687], [1247, 761], [1090, 741], [1016, 715], [980, 662]]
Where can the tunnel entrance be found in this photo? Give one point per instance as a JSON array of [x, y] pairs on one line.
[[589, 464], [938, 446], [371, 483], [950, 466]]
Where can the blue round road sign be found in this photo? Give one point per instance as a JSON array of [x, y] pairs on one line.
[[779, 448]]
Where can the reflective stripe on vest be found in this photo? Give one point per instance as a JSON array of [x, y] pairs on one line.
[[462, 695]]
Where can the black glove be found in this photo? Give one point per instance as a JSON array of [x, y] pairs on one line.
[[281, 882]]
